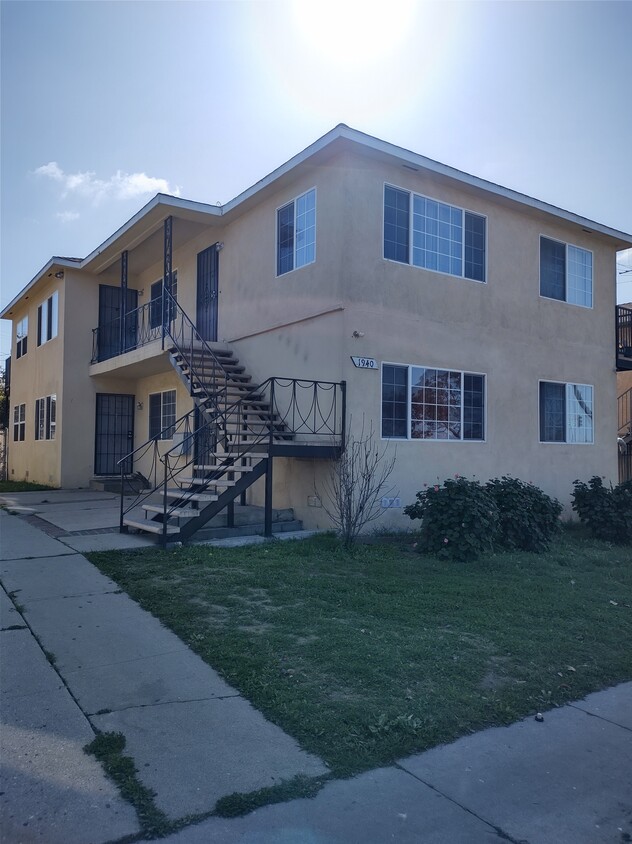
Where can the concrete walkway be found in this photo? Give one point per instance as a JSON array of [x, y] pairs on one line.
[[194, 739]]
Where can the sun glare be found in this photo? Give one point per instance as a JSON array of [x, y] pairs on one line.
[[353, 33]]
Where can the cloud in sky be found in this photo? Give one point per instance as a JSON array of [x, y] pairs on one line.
[[119, 186], [67, 216]]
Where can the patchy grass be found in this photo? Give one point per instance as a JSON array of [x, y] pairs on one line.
[[108, 749], [22, 486], [369, 655]]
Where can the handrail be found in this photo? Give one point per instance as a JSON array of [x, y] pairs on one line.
[[624, 412], [141, 326]]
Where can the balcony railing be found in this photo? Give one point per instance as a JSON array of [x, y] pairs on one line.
[[624, 337], [137, 328]]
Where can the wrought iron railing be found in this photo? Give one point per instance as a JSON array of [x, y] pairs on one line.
[[624, 413], [136, 328], [280, 410], [624, 332]]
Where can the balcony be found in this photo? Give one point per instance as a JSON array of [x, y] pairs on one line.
[[133, 345], [624, 337]]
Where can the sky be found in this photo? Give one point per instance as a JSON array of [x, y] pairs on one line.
[[106, 103]]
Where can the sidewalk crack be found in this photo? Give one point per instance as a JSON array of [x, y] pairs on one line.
[[497, 829], [601, 717], [160, 703]]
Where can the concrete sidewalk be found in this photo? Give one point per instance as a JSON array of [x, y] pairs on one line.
[[194, 739]]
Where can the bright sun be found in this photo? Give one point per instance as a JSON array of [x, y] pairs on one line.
[[353, 33]]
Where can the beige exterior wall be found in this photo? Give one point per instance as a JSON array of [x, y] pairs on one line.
[[37, 374], [302, 325]]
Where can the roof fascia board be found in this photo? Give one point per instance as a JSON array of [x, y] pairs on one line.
[[420, 161], [159, 199], [53, 262]]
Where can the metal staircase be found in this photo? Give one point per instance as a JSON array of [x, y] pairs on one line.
[[624, 418], [229, 440]]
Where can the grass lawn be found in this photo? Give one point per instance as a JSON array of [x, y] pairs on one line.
[[21, 486], [369, 655]]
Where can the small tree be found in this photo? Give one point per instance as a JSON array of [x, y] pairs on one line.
[[352, 491]]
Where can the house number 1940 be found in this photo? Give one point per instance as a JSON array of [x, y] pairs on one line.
[[364, 363]]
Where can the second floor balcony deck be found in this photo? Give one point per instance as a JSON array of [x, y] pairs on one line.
[[624, 337]]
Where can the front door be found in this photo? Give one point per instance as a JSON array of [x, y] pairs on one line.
[[207, 279], [114, 436], [111, 342]]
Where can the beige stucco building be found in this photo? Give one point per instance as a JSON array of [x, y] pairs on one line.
[[472, 327]]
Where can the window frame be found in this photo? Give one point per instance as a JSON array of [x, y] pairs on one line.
[[276, 232], [21, 344], [48, 312], [46, 417], [411, 195], [19, 424], [566, 244], [170, 424], [409, 388], [566, 385]]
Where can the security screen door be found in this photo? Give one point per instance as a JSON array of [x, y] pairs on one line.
[[114, 436]]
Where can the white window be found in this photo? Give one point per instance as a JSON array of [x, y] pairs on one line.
[[426, 403], [162, 415], [21, 337], [46, 418], [566, 272], [19, 423], [296, 233], [433, 235], [566, 413], [47, 319]]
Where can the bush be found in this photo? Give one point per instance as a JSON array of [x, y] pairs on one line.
[[459, 519], [606, 511], [528, 517]]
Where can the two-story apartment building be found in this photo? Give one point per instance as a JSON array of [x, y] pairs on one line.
[[471, 326]]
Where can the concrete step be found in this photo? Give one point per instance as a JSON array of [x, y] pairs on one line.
[[253, 529], [201, 497]]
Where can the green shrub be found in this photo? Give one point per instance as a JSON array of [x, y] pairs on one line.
[[528, 517], [459, 519], [606, 511]]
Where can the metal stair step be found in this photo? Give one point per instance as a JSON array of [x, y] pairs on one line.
[[204, 497], [150, 527], [176, 513]]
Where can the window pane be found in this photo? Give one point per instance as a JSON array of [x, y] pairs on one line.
[[579, 413], [474, 246], [473, 407], [305, 228], [53, 315], [168, 413], [441, 247], [552, 412], [396, 224], [285, 239], [552, 269], [155, 415], [395, 401], [52, 421], [579, 270]]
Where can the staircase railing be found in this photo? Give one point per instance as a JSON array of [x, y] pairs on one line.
[[294, 410], [624, 412]]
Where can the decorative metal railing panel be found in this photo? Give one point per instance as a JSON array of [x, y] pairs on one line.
[[624, 332], [282, 410], [624, 412], [141, 326]]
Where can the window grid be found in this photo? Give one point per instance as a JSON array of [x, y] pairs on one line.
[[566, 413], [445, 238], [46, 418], [440, 404], [155, 301], [19, 423], [21, 336], [296, 233], [162, 415], [47, 319], [566, 272]]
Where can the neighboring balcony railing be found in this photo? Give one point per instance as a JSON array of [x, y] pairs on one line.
[[624, 337], [137, 328]]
